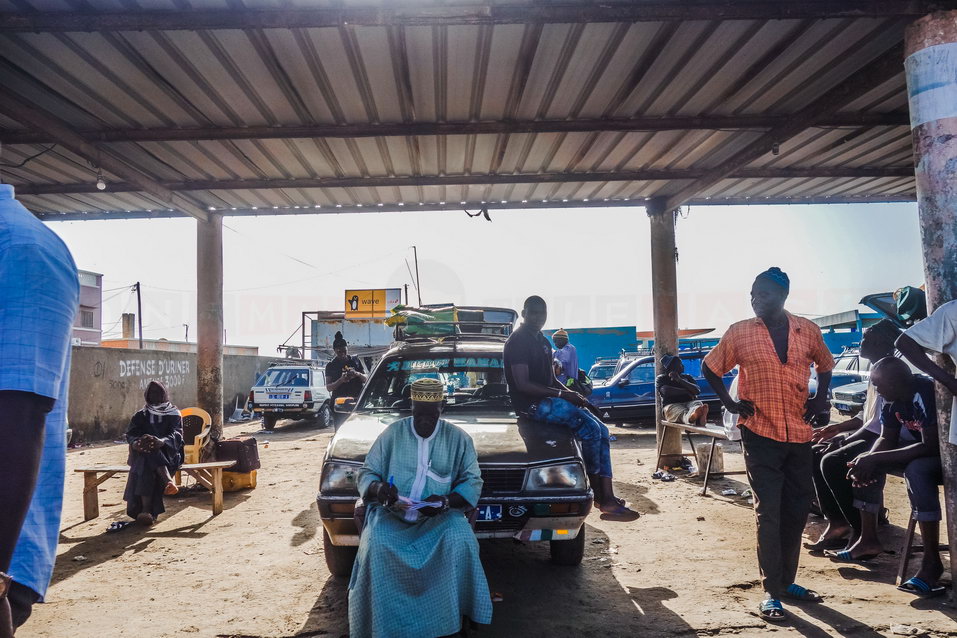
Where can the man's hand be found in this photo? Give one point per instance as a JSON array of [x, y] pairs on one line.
[[816, 417], [743, 407], [826, 433], [861, 470], [387, 494], [674, 376], [574, 398], [443, 502]]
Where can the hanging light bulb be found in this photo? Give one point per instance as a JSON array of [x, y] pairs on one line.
[[100, 183]]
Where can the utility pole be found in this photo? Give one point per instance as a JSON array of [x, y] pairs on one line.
[[406, 286], [139, 311], [186, 337], [418, 283]]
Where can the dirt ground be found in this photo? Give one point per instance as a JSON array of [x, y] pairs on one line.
[[685, 568]]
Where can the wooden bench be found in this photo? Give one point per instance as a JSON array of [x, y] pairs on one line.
[[715, 433], [209, 475]]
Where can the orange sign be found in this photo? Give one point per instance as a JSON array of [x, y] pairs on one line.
[[371, 304]]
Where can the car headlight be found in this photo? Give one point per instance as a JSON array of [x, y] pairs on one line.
[[568, 476], [860, 397], [339, 478]]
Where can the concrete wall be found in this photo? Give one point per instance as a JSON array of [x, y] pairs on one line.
[[107, 384]]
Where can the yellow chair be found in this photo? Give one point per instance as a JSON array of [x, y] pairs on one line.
[[196, 428]]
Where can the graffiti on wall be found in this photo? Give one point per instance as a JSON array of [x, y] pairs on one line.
[[139, 372]]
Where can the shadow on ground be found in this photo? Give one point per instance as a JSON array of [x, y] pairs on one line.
[[539, 598]]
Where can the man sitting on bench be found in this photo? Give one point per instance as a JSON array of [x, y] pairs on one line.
[[155, 435], [679, 394]]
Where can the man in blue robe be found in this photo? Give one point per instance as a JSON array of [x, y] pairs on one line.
[[418, 573]]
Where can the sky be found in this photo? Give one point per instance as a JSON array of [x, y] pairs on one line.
[[592, 266]]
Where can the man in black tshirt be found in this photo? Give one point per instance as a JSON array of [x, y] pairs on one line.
[[538, 395], [344, 374]]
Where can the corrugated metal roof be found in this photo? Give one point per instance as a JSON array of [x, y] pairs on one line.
[[366, 75]]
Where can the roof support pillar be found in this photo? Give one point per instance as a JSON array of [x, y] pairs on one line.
[[209, 306], [664, 291], [931, 57]]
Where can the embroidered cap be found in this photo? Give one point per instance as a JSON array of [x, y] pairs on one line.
[[427, 391], [560, 334]]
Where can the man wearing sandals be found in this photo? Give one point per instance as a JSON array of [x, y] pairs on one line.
[[909, 443], [774, 352], [538, 395]]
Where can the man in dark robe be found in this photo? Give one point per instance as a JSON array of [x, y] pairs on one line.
[[345, 375], [155, 436]]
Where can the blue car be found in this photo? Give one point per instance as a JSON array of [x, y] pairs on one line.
[[630, 393]]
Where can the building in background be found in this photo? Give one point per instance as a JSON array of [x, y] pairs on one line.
[[88, 326], [165, 345]]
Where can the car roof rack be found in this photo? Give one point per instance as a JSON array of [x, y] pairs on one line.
[[466, 323]]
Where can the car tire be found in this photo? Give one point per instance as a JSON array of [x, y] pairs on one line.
[[339, 558], [324, 417], [269, 422], [568, 553]]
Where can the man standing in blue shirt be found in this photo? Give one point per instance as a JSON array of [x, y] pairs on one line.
[[39, 295], [566, 355]]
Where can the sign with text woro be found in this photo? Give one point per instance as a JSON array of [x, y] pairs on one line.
[[372, 304]]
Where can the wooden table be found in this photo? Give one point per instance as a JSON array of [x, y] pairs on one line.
[[209, 475]]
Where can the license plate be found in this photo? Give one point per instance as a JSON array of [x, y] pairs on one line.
[[277, 409], [489, 513], [842, 406], [278, 396]]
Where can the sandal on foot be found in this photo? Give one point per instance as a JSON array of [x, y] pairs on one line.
[[919, 587], [831, 543], [844, 556], [171, 489], [797, 592], [116, 526], [772, 610]]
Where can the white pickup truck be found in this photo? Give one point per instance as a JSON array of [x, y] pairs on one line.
[[292, 391]]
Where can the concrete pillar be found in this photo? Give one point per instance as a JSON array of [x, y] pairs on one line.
[[931, 60], [664, 290], [209, 306]]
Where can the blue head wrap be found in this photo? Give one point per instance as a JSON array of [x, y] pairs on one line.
[[776, 276]]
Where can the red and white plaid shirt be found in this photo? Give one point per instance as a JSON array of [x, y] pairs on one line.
[[777, 390]]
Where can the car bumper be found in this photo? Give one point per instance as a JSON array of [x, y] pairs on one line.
[[527, 518], [846, 406]]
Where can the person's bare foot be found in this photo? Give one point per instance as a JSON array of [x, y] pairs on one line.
[[699, 415], [833, 537], [931, 569], [858, 551], [171, 489]]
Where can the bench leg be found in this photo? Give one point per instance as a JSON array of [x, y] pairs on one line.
[[906, 548], [707, 469], [91, 496], [217, 479], [178, 477]]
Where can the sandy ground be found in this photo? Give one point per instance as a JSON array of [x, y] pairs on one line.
[[685, 568]]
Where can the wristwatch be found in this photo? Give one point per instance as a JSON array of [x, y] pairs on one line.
[[5, 580]]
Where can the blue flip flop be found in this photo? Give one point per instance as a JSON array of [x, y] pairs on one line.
[[797, 592], [919, 587], [844, 556], [772, 610]]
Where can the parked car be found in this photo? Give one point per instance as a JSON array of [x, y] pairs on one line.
[[602, 370], [535, 486], [630, 393], [291, 391]]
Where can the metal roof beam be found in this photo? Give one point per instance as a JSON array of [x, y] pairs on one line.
[[30, 115], [875, 73], [400, 129], [419, 14], [478, 180], [512, 206]]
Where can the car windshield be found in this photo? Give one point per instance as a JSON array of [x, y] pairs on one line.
[[470, 381], [600, 373], [285, 376]]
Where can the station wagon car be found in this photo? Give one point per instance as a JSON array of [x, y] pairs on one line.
[[535, 486], [291, 391]]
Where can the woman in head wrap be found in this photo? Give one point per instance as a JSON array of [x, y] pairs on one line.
[[155, 436]]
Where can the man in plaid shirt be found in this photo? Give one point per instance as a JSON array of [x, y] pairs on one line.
[[774, 352]]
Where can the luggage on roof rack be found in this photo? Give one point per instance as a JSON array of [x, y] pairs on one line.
[[457, 322]]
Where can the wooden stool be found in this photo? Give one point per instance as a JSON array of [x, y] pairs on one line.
[[908, 547]]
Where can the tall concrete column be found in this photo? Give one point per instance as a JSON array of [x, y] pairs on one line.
[[209, 307], [664, 290], [931, 65]]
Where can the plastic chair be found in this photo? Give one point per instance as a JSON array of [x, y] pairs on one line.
[[196, 428]]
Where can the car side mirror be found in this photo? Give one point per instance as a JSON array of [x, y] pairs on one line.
[[345, 405], [623, 382]]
